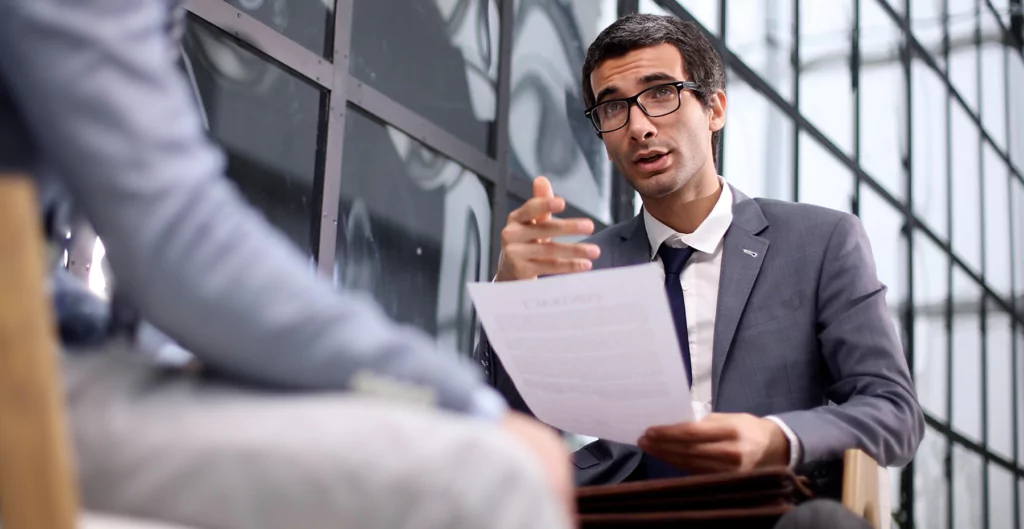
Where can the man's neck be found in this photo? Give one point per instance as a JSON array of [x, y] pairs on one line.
[[685, 210]]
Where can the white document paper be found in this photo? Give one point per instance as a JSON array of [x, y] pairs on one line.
[[592, 353]]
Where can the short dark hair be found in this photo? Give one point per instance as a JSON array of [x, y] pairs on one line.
[[631, 32]]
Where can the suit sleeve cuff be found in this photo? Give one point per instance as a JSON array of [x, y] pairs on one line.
[[794, 441]]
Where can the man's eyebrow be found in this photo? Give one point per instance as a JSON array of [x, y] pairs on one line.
[[645, 80], [607, 91], [657, 76]]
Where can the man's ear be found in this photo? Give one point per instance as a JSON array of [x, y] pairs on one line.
[[719, 103]]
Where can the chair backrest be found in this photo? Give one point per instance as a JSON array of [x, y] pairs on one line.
[[37, 484]]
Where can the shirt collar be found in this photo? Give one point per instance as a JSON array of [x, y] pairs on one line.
[[705, 238]]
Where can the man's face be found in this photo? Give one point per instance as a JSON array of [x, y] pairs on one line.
[[658, 156]]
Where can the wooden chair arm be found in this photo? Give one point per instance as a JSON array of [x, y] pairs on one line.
[[861, 476], [37, 487]]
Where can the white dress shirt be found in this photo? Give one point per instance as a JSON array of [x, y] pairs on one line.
[[700, 279]]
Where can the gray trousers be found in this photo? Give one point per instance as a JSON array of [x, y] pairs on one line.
[[821, 514], [166, 445]]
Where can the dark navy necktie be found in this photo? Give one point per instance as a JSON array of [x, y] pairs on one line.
[[674, 259]]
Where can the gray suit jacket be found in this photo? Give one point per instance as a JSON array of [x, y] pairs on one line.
[[802, 332]]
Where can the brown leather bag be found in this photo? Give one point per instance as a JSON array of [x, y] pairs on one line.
[[753, 499]]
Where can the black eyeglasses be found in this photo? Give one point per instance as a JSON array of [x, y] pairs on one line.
[[656, 101]]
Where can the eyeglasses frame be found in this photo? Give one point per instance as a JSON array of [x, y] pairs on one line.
[[635, 100]]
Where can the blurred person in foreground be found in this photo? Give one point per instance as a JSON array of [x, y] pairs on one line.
[[313, 409]]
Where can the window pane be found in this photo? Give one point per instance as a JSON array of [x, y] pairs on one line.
[[884, 224], [413, 229], [968, 500], [963, 53], [1002, 7], [966, 356], [761, 34], [997, 223], [1000, 497], [704, 11], [824, 180], [931, 275], [999, 381], [439, 59], [826, 91], [966, 236], [926, 23], [1019, 354], [652, 7], [882, 85], [895, 475], [897, 6], [1017, 211], [310, 23], [758, 144], [268, 123], [1020, 499], [931, 488], [1016, 111], [549, 134], [993, 71], [929, 155]]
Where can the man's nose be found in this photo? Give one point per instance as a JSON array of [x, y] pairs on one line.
[[640, 126]]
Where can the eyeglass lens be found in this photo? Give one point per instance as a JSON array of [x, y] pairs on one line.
[[655, 101]]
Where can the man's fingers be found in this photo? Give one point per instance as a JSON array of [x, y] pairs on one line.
[[554, 251], [696, 465], [542, 231], [537, 209], [542, 188], [557, 228], [719, 452], [550, 267], [562, 266], [527, 249], [687, 463], [692, 432], [699, 457]]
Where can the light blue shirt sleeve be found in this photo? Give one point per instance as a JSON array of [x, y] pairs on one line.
[[106, 107]]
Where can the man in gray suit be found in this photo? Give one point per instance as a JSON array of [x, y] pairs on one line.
[[781, 318]]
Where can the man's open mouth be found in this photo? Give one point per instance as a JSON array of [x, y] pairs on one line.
[[649, 159]]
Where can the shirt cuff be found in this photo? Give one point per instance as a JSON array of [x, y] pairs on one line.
[[487, 404], [794, 442]]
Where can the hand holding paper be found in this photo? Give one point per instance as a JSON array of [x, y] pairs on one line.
[[594, 354], [722, 442]]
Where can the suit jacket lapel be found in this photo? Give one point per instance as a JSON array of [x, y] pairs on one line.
[[743, 252], [634, 248]]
